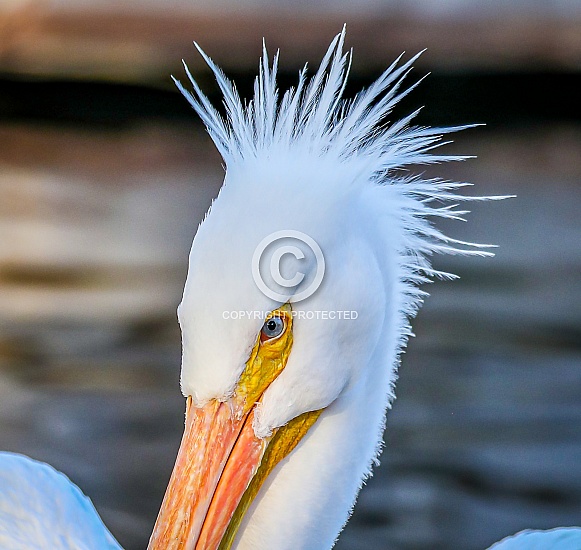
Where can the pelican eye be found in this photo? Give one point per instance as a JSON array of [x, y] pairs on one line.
[[272, 328]]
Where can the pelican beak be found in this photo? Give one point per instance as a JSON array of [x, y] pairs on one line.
[[218, 456], [221, 463]]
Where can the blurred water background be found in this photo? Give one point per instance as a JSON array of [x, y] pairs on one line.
[[105, 174]]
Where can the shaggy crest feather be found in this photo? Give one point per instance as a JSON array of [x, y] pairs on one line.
[[314, 118]]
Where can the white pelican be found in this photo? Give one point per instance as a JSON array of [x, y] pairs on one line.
[[287, 371]]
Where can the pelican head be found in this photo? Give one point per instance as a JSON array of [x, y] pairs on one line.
[[302, 280]]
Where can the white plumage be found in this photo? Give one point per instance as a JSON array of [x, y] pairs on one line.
[[333, 169], [42, 509]]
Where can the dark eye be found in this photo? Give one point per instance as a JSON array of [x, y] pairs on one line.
[[272, 328]]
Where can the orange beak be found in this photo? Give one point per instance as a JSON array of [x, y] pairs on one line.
[[218, 456]]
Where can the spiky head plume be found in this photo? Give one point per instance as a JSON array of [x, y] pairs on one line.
[[314, 121]]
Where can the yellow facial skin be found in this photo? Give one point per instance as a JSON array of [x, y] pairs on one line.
[[221, 463], [267, 360]]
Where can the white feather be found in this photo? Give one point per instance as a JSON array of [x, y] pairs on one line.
[[42, 509]]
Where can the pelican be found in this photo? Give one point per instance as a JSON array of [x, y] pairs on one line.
[[302, 281]]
